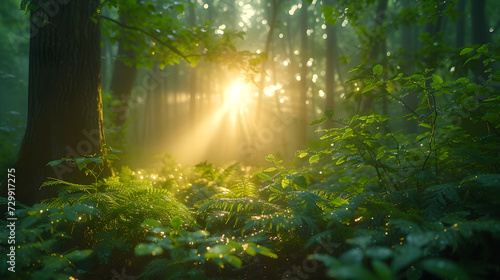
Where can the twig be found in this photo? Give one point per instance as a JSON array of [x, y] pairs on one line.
[[169, 46]]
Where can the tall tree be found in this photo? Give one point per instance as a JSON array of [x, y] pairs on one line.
[[64, 96], [302, 108]]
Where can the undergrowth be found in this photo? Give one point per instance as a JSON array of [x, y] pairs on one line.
[[369, 203]]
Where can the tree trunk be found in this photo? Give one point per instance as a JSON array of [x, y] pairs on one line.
[[331, 55], [460, 25], [377, 49], [64, 97], [123, 78], [302, 108]]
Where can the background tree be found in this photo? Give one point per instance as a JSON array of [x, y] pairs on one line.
[[64, 103]]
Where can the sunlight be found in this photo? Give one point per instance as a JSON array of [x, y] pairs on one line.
[[233, 94]]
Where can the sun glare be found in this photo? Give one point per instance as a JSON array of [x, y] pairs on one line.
[[233, 94]]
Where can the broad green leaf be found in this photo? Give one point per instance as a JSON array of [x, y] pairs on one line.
[[363, 180], [382, 270], [314, 158], [437, 79], [338, 201], [285, 182], [176, 222], [301, 182], [466, 50], [234, 261], [444, 268], [345, 179], [368, 88], [473, 58], [270, 169], [78, 255], [483, 48], [317, 122], [264, 176], [377, 69], [111, 156], [144, 249], [347, 133], [330, 113], [150, 223], [301, 155]]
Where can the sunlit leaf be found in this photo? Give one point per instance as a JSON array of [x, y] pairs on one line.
[[264, 176], [377, 69], [270, 158], [368, 88], [466, 50], [270, 169], [148, 249], [314, 158], [317, 122], [176, 222]]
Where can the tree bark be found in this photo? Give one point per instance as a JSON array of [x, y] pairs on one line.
[[64, 97]]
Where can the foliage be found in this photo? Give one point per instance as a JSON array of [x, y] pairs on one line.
[[10, 136], [189, 253]]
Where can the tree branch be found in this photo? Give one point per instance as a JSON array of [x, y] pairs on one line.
[[158, 40]]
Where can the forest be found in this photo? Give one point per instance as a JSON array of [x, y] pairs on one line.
[[250, 139]]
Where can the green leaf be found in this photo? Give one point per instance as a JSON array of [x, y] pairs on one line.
[[483, 48], [314, 158], [363, 180], [345, 179], [473, 58], [234, 261], [330, 113], [111, 156], [354, 69], [301, 182], [466, 50], [144, 249], [437, 79], [54, 162], [382, 270], [176, 222], [179, 7], [78, 255], [285, 182], [317, 122], [347, 133], [270, 169], [264, 176], [444, 268], [338, 201], [377, 69], [150, 223], [270, 158], [301, 155], [368, 88]]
